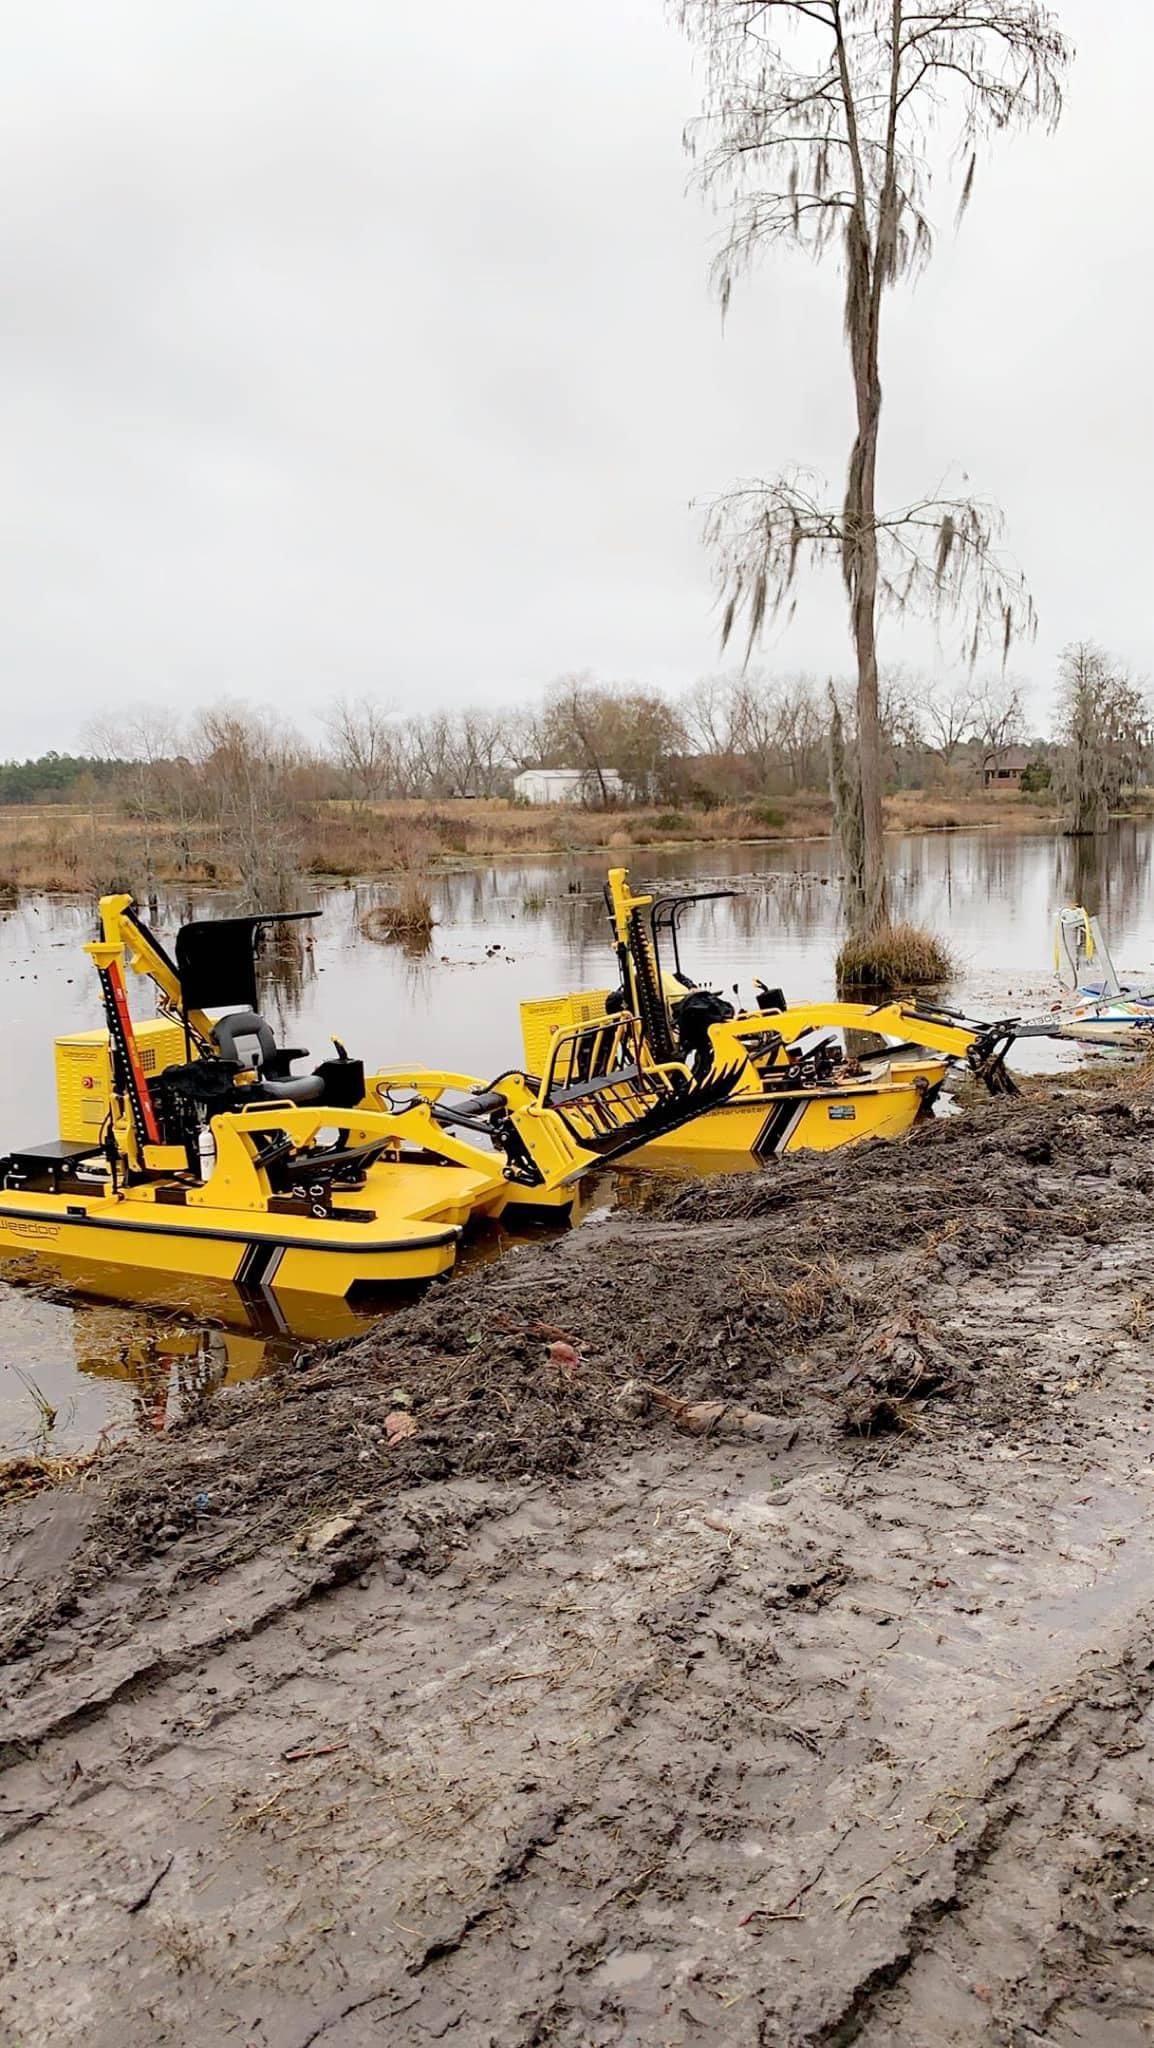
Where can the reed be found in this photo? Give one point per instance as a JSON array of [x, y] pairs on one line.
[[895, 956], [407, 921]]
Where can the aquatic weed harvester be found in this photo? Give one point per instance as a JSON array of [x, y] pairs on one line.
[[797, 1088], [192, 1146]]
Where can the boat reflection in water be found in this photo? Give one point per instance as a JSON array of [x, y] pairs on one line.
[[172, 1370], [160, 1350], [162, 1347]]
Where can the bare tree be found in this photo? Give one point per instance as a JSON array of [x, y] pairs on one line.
[[480, 753], [1104, 726], [901, 738], [823, 146], [154, 781], [363, 744], [428, 747], [762, 731], [247, 765], [611, 729], [529, 737], [706, 713], [948, 711], [147, 740], [999, 719], [754, 720], [574, 724], [801, 732]]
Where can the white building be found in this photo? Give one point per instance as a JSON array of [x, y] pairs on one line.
[[567, 785]]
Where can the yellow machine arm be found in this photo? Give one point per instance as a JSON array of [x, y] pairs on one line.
[[641, 978], [596, 1101], [141, 949], [622, 903], [982, 1046], [910, 1022]]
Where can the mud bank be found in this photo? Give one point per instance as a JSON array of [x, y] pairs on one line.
[[752, 1643]]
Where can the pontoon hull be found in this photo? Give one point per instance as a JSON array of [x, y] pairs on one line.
[[764, 1126], [256, 1253]]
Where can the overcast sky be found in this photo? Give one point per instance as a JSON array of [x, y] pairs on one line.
[[365, 345]]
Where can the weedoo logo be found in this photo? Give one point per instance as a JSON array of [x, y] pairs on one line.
[[38, 1230]]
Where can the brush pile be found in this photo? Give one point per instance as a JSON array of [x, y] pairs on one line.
[[854, 1293]]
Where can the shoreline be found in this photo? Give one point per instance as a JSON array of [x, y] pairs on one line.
[[776, 1671], [78, 851]]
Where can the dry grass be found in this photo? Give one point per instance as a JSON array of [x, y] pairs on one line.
[[84, 848], [918, 810], [896, 956], [804, 1293], [408, 921], [20, 1477]]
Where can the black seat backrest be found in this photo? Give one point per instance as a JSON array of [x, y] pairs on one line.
[[240, 1026]]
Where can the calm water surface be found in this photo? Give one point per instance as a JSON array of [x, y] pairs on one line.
[[503, 935]]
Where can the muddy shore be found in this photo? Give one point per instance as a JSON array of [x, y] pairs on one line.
[[731, 1623]]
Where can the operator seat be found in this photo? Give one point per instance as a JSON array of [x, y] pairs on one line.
[[270, 1062]]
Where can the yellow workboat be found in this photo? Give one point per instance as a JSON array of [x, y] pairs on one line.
[[798, 1089], [189, 1146]]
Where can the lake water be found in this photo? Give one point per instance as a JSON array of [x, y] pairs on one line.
[[503, 935]]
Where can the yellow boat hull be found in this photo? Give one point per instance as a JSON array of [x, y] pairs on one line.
[[755, 1127], [411, 1191], [249, 1319], [252, 1250], [881, 1097]]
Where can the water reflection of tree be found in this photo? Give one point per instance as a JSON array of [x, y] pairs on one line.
[[416, 978], [286, 964], [1108, 873], [791, 903], [997, 862]]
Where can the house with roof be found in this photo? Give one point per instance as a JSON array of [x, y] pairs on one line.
[[567, 785], [1004, 767]]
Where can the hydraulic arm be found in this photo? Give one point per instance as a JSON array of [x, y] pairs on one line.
[[982, 1046]]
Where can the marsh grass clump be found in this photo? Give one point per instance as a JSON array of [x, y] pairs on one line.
[[408, 921], [892, 957]]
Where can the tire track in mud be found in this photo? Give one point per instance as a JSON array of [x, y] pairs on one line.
[[656, 1803], [1049, 1932]]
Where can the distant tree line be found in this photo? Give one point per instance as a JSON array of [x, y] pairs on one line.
[[733, 738], [52, 777]]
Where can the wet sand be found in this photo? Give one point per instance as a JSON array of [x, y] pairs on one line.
[[753, 1643]]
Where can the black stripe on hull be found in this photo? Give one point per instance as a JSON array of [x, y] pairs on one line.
[[256, 1279], [778, 1128], [253, 1270]]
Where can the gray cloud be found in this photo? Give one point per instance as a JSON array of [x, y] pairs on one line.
[[368, 347]]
